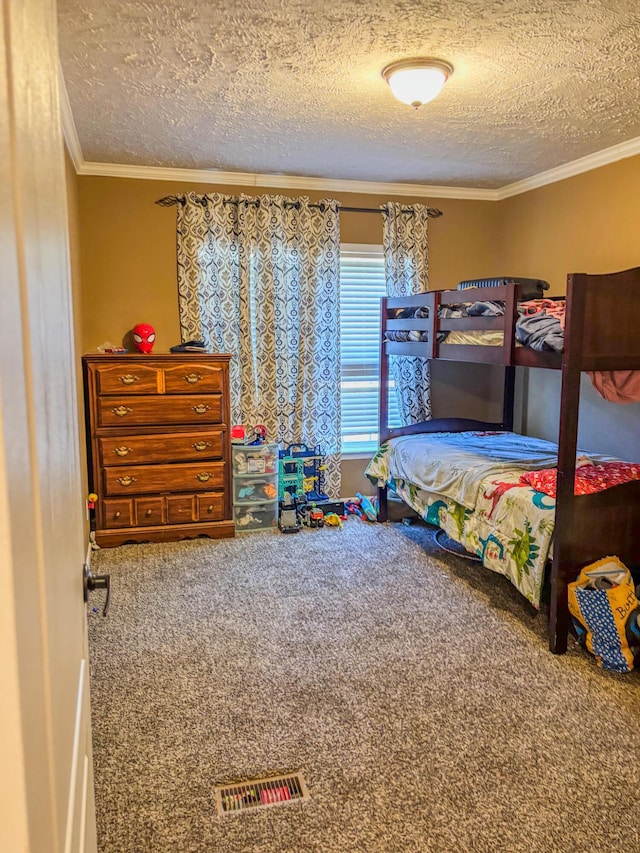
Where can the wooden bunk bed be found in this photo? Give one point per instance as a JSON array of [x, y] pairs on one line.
[[601, 334]]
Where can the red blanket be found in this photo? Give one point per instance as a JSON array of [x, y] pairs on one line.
[[589, 478]]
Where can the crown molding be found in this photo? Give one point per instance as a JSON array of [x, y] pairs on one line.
[[68, 124], [605, 157], [569, 170], [250, 179]]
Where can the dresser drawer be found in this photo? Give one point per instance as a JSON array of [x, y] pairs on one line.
[[185, 509], [152, 410], [117, 513], [180, 509], [141, 479], [193, 378], [127, 379], [210, 507], [173, 447], [149, 511]]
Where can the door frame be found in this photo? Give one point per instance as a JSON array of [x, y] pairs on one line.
[[46, 787]]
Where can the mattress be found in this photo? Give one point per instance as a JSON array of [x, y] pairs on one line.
[[474, 338], [477, 498]]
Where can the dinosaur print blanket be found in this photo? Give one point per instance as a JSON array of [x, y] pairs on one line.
[[469, 485], [456, 463]]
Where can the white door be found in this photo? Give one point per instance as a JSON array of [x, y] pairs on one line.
[[46, 782]]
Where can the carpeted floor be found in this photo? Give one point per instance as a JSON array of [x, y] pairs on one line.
[[413, 689]]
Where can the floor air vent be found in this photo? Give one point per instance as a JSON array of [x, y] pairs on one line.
[[260, 793]]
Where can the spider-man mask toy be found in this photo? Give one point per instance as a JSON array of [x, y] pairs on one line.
[[144, 337]]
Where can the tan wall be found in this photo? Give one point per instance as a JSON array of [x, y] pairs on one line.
[[129, 273], [589, 223], [128, 248]]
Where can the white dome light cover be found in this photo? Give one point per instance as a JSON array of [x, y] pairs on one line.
[[417, 81]]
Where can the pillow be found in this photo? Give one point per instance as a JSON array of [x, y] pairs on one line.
[[589, 478]]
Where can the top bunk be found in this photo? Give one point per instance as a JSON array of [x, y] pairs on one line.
[[595, 328]]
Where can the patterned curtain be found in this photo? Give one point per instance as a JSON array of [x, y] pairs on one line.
[[406, 261], [260, 279]]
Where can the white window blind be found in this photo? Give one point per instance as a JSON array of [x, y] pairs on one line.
[[362, 284]]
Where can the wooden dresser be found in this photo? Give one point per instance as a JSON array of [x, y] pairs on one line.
[[158, 444]]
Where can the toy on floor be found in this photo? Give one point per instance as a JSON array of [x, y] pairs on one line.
[[333, 520], [315, 517], [353, 508], [301, 472], [288, 520], [369, 510], [363, 507]]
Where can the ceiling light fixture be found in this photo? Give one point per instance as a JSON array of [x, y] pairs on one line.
[[417, 81]]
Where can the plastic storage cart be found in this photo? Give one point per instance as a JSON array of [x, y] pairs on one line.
[[255, 486]]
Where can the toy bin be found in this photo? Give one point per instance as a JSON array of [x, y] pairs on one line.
[[249, 518], [249, 460], [250, 489]]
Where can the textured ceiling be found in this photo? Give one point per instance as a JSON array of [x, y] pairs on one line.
[[294, 86]]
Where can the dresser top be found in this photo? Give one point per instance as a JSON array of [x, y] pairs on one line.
[[157, 356]]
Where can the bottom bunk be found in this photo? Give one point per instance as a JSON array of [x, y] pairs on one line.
[[493, 492]]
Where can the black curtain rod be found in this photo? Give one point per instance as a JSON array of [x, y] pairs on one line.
[[170, 200], [433, 212]]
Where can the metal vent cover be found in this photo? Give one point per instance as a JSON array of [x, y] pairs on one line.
[[260, 793]]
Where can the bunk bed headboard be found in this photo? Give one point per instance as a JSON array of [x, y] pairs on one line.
[[609, 340]]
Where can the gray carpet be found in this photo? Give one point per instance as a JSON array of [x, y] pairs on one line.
[[413, 689]]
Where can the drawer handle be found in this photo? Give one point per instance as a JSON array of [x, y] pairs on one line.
[[126, 480], [201, 408], [201, 445], [121, 411], [122, 451], [116, 514], [148, 512], [192, 378], [129, 378], [204, 476], [210, 508]]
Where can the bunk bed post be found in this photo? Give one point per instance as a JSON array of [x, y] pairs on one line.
[[510, 316], [434, 345], [508, 397], [564, 569], [383, 404]]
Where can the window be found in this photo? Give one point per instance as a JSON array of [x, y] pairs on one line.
[[362, 284]]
